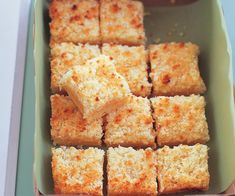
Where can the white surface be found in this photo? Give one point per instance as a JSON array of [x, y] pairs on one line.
[[9, 17], [11, 167]]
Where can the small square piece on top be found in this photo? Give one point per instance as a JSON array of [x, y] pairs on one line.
[[131, 172], [121, 22], [96, 88], [131, 62], [68, 126], [131, 125], [74, 21], [77, 171], [182, 168], [180, 120], [174, 69], [66, 55]]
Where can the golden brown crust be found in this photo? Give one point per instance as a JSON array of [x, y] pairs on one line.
[[66, 55], [182, 168], [131, 172], [74, 21], [69, 128], [131, 125], [131, 62], [96, 88], [180, 120], [77, 171], [174, 69], [122, 22]]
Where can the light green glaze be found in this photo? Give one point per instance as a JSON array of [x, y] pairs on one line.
[[24, 178], [202, 23]]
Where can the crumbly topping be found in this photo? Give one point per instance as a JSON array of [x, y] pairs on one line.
[[174, 69], [131, 125], [94, 86], [122, 22], [66, 55], [77, 171], [131, 171], [74, 21], [180, 120], [68, 126], [131, 62], [182, 168]]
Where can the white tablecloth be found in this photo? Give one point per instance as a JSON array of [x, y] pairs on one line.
[[9, 17]]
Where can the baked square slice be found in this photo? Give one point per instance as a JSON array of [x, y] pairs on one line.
[[68, 126], [174, 69], [96, 88], [180, 120], [131, 125], [66, 55], [131, 62], [182, 168], [121, 22], [131, 172], [74, 21], [77, 171]]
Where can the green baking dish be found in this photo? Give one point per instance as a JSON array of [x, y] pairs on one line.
[[200, 22]]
